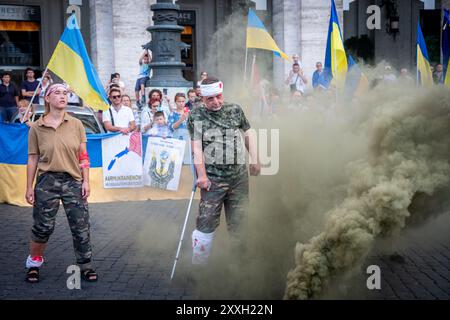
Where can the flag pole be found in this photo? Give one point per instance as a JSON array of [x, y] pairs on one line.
[[417, 66], [34, 95], [335, 76], [252, 71], [245, 64], [417, 53], [252, 75]]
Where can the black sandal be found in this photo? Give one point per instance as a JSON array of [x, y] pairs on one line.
[[32, 275], [89, 275]]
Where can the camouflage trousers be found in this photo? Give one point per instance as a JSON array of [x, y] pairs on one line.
[[50, 189], [233, 195]]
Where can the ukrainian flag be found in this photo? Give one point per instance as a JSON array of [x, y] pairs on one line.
[[424, 75], [446, 47], [70, 62], [13, 171], [335, 57], [259, 38], [356, 83]]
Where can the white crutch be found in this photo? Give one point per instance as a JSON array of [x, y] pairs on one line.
[[194, 188]]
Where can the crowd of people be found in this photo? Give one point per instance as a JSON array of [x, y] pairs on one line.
[[13, 98], [269, 99], [158, 117], [32, 89], [321, 79]]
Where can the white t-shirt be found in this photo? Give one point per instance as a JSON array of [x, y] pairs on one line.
[[122, 118], [146, 119], [42, 94], [390, 77], [72, 98], [298, 81]]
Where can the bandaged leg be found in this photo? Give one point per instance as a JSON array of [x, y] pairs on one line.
[[201, 247], [35, 261]]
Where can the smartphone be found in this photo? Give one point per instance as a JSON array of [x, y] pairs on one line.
[[165, 91]]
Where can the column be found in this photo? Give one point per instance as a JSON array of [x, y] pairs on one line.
[[102, 38], [130, 21], [286, 33], [315, 18]]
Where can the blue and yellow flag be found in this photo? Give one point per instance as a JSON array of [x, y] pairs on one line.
[[259, 38], [70, 62], [446, 47], [335, 57], [424, 74], [356, 82]]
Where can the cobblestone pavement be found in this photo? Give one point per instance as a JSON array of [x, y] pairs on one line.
[[416, 264], [131, 241], [128, 266]]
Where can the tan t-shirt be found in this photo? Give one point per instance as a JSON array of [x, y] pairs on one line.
[[58, 148]]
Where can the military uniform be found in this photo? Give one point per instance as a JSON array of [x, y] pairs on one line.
[[51, 187], [224, 151]]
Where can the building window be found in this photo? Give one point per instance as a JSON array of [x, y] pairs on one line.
[[186, 18], [430, 21], [19, 36]]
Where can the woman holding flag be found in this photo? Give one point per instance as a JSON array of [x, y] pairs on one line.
[[57, 150]]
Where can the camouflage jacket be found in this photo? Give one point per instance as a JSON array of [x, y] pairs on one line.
[[222, 140]]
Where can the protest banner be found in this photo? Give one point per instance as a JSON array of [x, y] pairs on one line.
[[122, 161], [163, 162]]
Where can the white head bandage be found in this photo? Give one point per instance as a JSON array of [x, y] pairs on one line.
[[212, 89]]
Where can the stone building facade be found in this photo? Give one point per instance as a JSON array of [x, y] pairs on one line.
[[30, 30], [397, 46]]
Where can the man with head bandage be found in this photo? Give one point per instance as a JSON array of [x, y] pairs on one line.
[[211, 89], [219, 158]]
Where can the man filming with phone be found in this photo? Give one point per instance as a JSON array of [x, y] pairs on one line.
[[296, 80]]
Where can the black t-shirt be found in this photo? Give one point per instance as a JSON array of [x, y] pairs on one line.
[[30, 86], [7, 95]]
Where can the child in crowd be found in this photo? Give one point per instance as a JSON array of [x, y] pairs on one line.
[[23, 105], [178, 124], [143, 77], [178, 118], [160, 128]]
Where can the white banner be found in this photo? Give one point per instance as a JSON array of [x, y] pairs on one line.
[[122, 161], [163, 162]]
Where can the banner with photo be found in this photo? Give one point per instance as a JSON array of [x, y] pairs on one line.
[[122, 161], [163, 162]]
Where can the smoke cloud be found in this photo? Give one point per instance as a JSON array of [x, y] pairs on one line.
[[350, 170], [408, 138]]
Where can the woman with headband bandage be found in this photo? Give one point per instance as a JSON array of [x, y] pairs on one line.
[[57, 152]]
